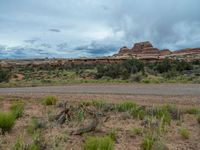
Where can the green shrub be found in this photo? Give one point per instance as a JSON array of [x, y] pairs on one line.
[[99, 143], [185, 133], [50, 100], [136, 77], [126, 106], [4, 75], [148, 142], [17, 109], [7, 121]]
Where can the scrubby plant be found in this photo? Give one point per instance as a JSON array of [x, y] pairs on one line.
[[35, 125], [198, 118], [184, 133], [147, 142], [99, 143], [49, 100], [113, 134], [4, 75], [193, 111], [33, 147], [80, 115], [137, 112], [17, 109], [125, 106], [163, 114], [98, 103], [174, 111], [159, 145], [136, 77], [19, 145], [7, 121], [137, 131]]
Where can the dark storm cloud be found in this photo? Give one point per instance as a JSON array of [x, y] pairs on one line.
[[173, 24], [97, 49], [54, 30]]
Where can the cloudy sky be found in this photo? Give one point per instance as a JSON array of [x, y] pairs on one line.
[[79, 28]]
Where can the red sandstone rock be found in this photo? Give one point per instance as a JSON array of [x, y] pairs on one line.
[[187, 50], [165, 52]]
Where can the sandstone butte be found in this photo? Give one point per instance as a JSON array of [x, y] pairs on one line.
[[143, 50]]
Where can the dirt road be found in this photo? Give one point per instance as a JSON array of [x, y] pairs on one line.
[[146, 89]]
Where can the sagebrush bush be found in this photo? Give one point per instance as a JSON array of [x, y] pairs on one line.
[[49, 100], [99, 143], [185, 133], [35, 125], [17, 109], [7, 121]]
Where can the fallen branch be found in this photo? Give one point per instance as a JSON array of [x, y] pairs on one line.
[[88, 128]]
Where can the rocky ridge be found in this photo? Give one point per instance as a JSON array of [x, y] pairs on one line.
[[145, 50]]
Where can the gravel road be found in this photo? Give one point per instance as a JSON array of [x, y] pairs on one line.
[[146, 89]]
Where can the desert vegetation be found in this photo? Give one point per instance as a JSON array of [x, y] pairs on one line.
[[129, 71], [53, 124]]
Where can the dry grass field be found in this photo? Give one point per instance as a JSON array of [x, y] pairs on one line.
[[99, 122]]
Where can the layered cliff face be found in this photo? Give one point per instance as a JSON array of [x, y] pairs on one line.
[[146, 50]]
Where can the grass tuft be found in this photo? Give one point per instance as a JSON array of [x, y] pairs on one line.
[[137, 131], [7, 121], [113, 134], [49, 100], [99, 143], [193, 111], [126, 106], [17, 109], [148, 142], [185, 133]]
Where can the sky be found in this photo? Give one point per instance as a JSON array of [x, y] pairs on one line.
[[93, 28]]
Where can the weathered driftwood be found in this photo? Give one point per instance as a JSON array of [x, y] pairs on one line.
[[88, 128], [63, 115]]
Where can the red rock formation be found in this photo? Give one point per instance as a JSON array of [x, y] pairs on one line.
[[165, 52], [187, 50], [145, 50]]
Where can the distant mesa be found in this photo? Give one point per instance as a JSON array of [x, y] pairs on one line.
[[145, 50]]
